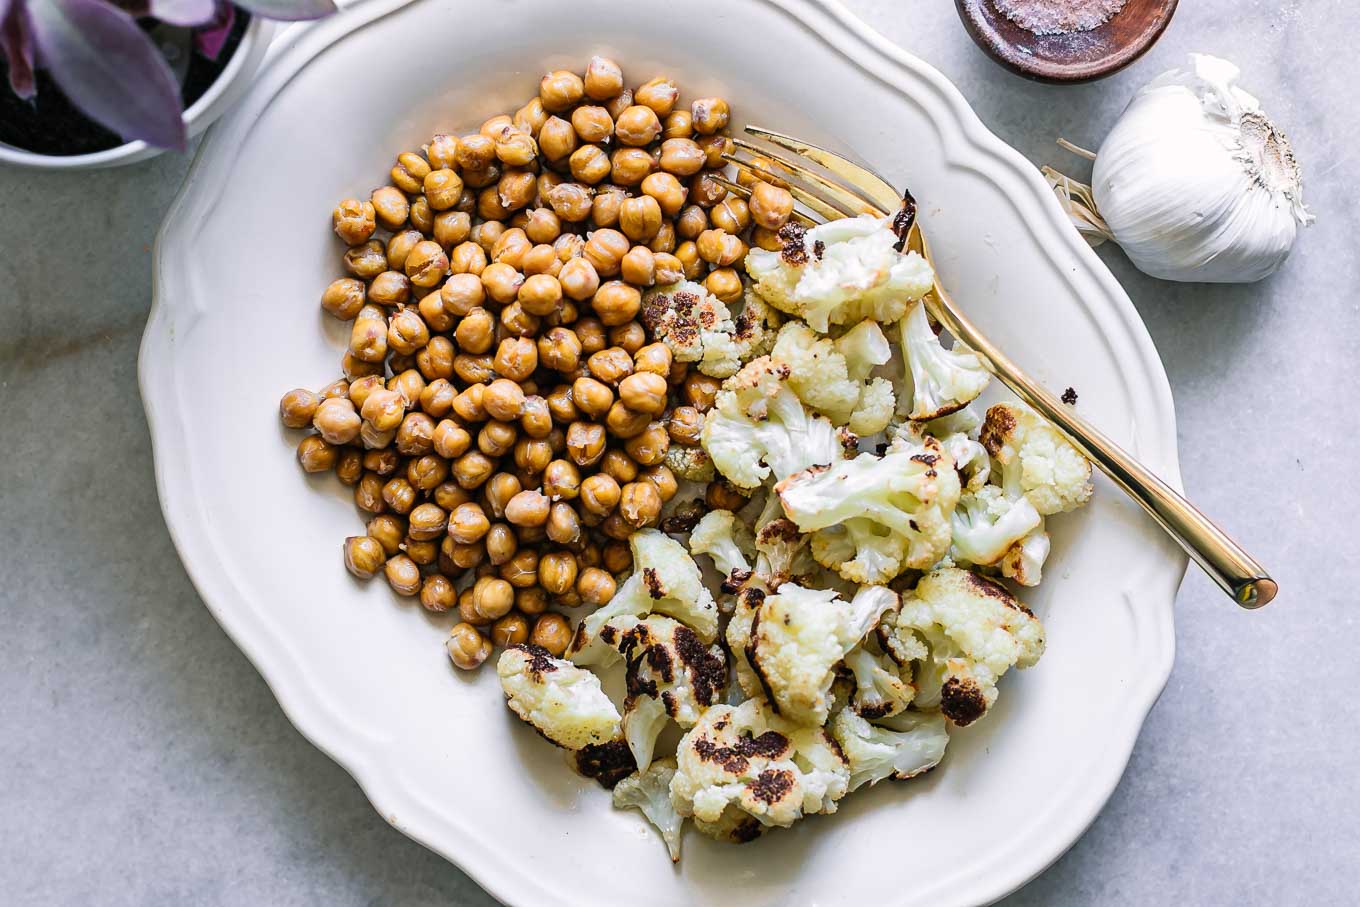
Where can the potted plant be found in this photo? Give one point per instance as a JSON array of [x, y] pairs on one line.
[[94, 83]]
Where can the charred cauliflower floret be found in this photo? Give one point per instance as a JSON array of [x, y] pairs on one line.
[[694, 324], [669, 674], [1035, 460], [665, 579], [650, 792], [756, 327], [758, 425], [973, 630], [942, 380], [690, 463], [727, 540], [798, 636], [840, 272], [902, 747], [781, 552], [971, 460], [562, 702], [832, 376], [1024, 561], [892, 512], [749, 759], [879, 688], [987, 524]]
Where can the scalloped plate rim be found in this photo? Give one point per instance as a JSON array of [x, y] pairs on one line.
[[337, 735]]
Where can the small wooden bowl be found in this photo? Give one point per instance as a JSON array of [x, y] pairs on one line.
[[1072, 57]]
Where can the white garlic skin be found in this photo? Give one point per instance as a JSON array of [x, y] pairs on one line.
[[1195, 183]]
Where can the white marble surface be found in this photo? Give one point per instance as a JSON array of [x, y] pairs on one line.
[[143, 761]]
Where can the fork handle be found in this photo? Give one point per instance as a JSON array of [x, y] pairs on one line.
[[1223, 559]]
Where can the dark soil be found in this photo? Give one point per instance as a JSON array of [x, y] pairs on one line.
[[50, 123]]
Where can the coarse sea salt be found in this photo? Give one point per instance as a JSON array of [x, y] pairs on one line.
[[1058, 17]]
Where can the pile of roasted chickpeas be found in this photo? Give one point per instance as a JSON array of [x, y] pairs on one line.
[[503, 417]]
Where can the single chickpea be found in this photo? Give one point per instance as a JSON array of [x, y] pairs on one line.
[[604, 79], [705, 190], [467, 258], [443, 188], [637, 126], [344, 298], [659, 94], [498, 491], [678, 124], [639, 218], [616, 527], [532, 456], [398, 494], [709, 115], [383, 462], [557, 139], [691, 221], [615, 302], [561, 480], [629, 166], [617, 557], [624, 422], [654, 358], [528, 508], [503, 399], [437, 593], [559, 349], [409, 172], [388, 531], [521, 571], [595, 586], [501, 282], [489, 204], [610, 365], [516, 188], [476, 331], [605, 250], [510, 630], [435, 315], [496, 439], [461, 294], [354, 221], [516, 322], [557, 572], [442, 151], [487, 234], [639, 267], [542, 226], [474, 369], [467, 523], [540, 259], [561, 406], [725, 283], [427, 472], [720, 248], [383, 408], [668, 268], [437, 399], [618, 466], [535, 417], [640, 504], [494, 126], [464, 557], [448, 495], [390, 207], [467, 648], [591, 397], [599, 494], [315, 454], [664, 240], [540, 294], [564, 526], [649, 446], [560, 90], [354, 368], [661, 476], [516, 358], [515, 148], [682, 157], [731, 215], [770, 205], [592, 124], [687, 254], [298, 406], [501, 544], [492, 597], [668, 191], [472, 469], [427, 521], [475, 152], [619, 103], [422, 215], [644, 392], [366, 261], [590, 331], [585, 443], [578, 279], [407, 332], [685, 426], [723, 495], [531, 117], [699, 390], [450, 439], [570, 201], [349, 465], [337, 422], [552, 633], [403, 575]]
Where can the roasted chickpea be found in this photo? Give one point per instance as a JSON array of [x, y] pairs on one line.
[[496, 439], [462, 294], [578, 279], [383, 462], [560, 404], [532, 456], [725, 284], [437, 593], [467, 523], [515, 148], [616, 302], [705, 190], [476, 331], [540, 259], [585, 443], [436, 400], [619, 103], [560, 90], [388, 531], [531, 117], [661, 476], [654, 358], [557, 572], [561, 480], [516, 188], [503, 399], [521, 571], [315, 454], [398, 494], [492, 597], [449, 495], [531, 601], [427, 521], [570, 201], [349, 465], [353, 221], [664, 240], [595, 586], [720, 248], [390, 207], [366, 261], [687, 255], [668, 191], [589, 164], [639, 267], [723, 495], [557, 139], [442, 151], [591, 333], [709, 115], [443, 188], [409, 173], [535, 418], [422, 215], [489, 204], [691, 221], [605, 250], [644, 392], [659, 94], [637, 126], [467, 648], [616, 557], [629, 166], [591, 396], [731, 215], [423, 553], [472, 469], [494, 126], [355, 369], [766, 239], [610, 365], [427, 472], [337, 422], [649, 446], [599, 494], [383, 408], [552, 633], [604, 79], [498, 491], [298, 406], [559, 349], [474, 369], [685, 425], [450, 439], [528, 508], [403, 575], [639, 219], [467, 258], [618, 466], [564, 526], [501, 544], [516, 358], [368, 493], [682, 157], [344, 298], [540, 294], [407, 332], [699, 390]]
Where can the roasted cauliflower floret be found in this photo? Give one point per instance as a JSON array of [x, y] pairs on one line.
[[738, 635], [668, 673], [798, 636], [726, 539], [649, 790], [832, 376], [893, 510], [690, 463], [971, 460], [694, 324], [746, 757], [562, 702], [758, 425], [665, 579], [781, 552], [879, 689], [840, 272], [987, 524], [902, 747], [756, 326], [942, 380], [1035, 460], [1024, 561], [974, 631]]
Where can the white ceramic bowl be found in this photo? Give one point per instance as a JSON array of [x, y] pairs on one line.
[[242, 259], [219, 97]]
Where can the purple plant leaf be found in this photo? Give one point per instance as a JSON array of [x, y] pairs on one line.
[[183, 12], [16, 44], [289, 10], [212, 36], [109, 68]]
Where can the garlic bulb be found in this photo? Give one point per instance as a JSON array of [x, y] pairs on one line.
[[1194, 182]]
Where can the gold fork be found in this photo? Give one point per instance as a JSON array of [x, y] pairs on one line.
[[861, 191]]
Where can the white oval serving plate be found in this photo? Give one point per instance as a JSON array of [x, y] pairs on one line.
[[240, 264]]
